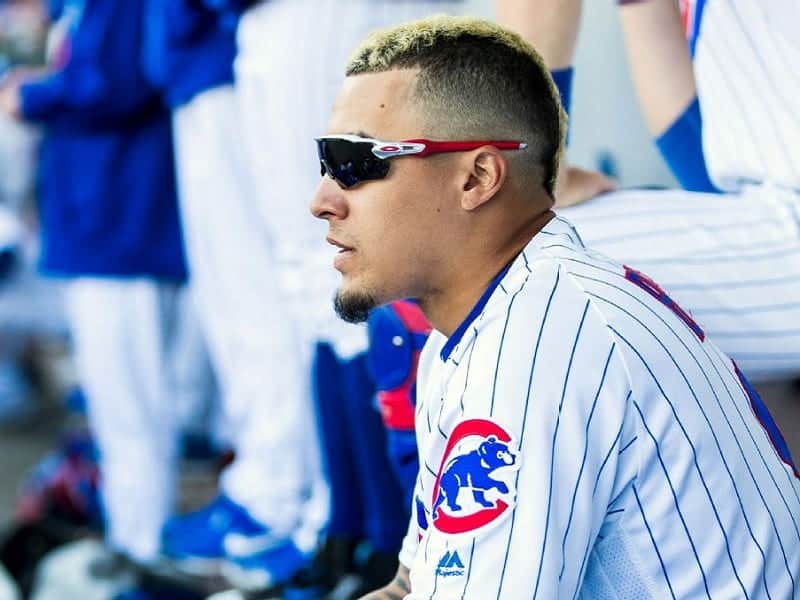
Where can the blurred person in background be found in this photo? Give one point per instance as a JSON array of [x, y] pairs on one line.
[[736, 266], [30, 308], [272, 504], [287, 72], [110, 230]]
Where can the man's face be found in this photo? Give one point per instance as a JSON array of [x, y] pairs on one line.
[[393, 232]]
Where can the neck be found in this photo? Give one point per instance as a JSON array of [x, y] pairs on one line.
[[448, 308]]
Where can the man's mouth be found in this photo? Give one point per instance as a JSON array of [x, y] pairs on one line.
[[340, 246], [342, 257]]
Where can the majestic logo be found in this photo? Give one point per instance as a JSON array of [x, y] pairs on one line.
[[450, 565], [475, 484]]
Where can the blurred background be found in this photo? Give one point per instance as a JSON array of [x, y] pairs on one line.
[[48, 465]]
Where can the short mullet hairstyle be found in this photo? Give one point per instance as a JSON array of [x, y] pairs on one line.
[[476, 80]]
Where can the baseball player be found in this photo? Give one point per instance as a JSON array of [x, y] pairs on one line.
[[286, 73], [579, 435], [286, 78], [109, 222], [732, 260], [190, 51]]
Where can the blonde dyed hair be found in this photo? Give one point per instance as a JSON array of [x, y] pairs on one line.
[[476, 80]]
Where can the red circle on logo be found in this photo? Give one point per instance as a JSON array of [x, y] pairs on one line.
[[449, 523], [390, 149]]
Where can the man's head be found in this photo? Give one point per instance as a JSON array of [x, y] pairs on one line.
[[443, 79]]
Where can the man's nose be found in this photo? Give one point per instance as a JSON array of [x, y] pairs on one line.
[[328, 201]]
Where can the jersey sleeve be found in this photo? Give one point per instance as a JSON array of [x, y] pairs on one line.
[[546, 393], [411, 541], [102, 82]]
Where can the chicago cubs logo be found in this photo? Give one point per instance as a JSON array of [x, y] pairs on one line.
[[475, 484]]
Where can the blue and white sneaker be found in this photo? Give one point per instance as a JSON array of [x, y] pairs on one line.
[[198, 542], [270, 568]]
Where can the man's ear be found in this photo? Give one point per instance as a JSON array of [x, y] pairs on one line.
[[487, 171]]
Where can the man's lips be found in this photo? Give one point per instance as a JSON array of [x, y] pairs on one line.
[[342, 247], [343, 256]]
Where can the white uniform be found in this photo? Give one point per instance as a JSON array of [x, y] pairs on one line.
[[579, 437], [291, 64], [265, 397], [289, 67], [733, 261]]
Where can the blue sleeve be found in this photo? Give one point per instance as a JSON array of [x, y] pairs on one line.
[[229, 10], [229, 5], [189, 19], [682, 148], [103, 80], [54, 9], [563, 80]]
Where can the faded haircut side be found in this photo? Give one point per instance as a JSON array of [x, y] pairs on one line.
[[476, 80]]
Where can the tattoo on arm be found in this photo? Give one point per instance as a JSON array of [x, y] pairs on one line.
[[398, 589]]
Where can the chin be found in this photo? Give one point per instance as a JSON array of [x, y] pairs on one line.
[[354, 306]]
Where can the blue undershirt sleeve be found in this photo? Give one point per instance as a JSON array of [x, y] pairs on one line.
[[681, 145]]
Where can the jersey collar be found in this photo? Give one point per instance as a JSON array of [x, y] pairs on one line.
[[453, 340], [557, 230]]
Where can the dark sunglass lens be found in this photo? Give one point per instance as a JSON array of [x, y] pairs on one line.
[[350, 163]]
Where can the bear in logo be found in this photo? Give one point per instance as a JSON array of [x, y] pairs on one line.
[[473, 471]]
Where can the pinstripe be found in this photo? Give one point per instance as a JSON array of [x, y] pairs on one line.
[[628, 445], [466, 376], [525, 420], [719, 404], [647, 215], [786, 69], [428, 420], [734, 310], [734, 97], [608, 454], [714, 436], [469, 569], [737, 284], [686, 434], [672, 231], [688, 421], [653, 540], [769, 256], [772, 359], [439, 420], [552, 451], [674, 495], [583, 463], [789, 110], [502, 340], [594, 490], [436, 576], [622, 493]]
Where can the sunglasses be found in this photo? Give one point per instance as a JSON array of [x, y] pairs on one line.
[[351, 159]]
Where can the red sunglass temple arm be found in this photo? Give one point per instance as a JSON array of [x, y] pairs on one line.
[[432, 147]]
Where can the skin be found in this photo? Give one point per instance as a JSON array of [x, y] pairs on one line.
[[659, 59], [660, 66], [9, 98], [552, 26], [437, 229], [398, 589]]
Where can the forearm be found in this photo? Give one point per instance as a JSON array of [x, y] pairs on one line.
[[659, 60], [550, 25], [398, 589]]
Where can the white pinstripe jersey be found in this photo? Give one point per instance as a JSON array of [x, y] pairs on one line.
[[747, 66], [579, 437]]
